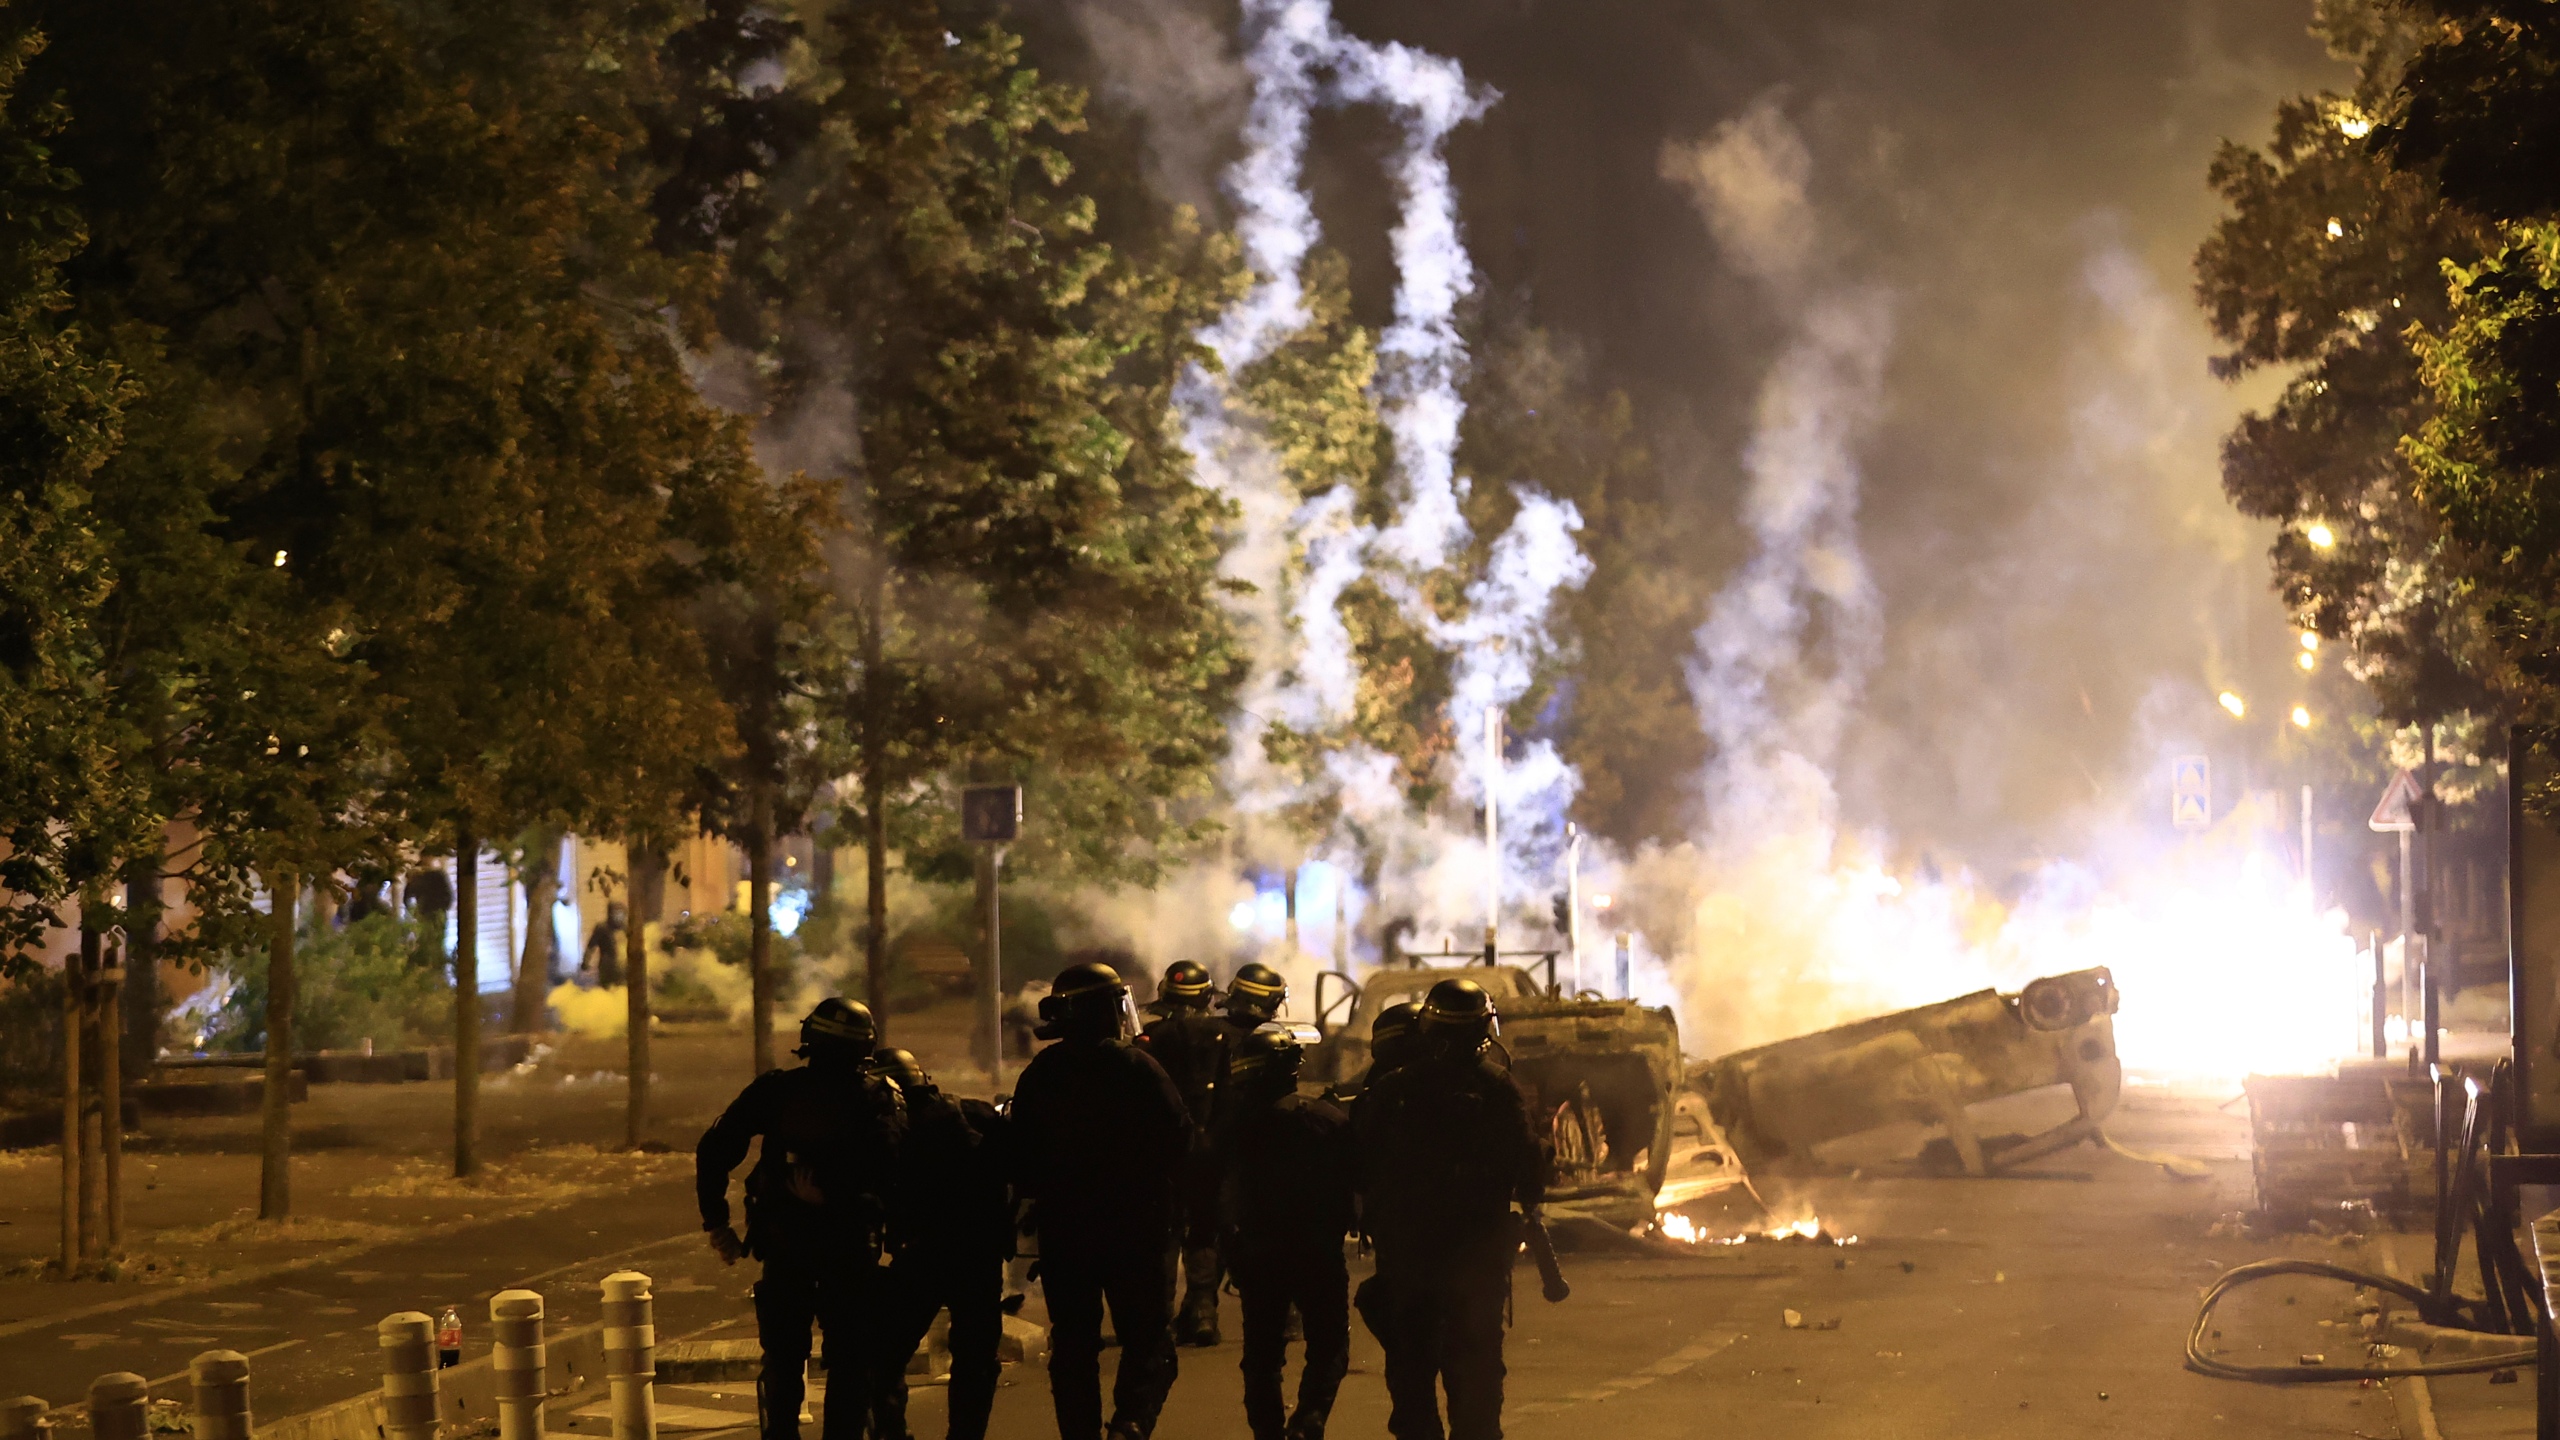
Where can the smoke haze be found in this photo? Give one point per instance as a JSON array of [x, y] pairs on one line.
[[1900, 292]]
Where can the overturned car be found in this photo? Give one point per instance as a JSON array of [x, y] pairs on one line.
[[1774, 1103]]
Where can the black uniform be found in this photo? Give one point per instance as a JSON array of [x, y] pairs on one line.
[[950, 1232], [1288, 1175], [1101, 1138], [1445, 1149], [1191, 1045], [840, 1128]]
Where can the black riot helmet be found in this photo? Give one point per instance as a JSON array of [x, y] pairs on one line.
[[901, 1066], [1458, 1018], [1266, 1057], [1086, 1002], [1185, 986], [1394, 1037], [1256, 994], [837, 1030]]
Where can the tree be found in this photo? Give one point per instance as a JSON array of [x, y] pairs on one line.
[[2328, 257], [71, 806], [2473, 118], [1025, 577]]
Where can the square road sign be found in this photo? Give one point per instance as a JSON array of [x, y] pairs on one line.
[[991, 814]]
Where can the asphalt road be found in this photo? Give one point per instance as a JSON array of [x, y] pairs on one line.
[[2035, 1306]]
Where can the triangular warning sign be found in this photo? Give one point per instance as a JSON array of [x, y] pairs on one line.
[[2188, 812], [2398, 809]]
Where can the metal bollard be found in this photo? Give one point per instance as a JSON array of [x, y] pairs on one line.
[[522, 1363], [631, 1354], [118, 1406], [221, 1379], [409, 1377], [24, 1418]]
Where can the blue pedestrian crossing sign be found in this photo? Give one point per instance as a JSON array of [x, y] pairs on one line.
[[2191, 792]]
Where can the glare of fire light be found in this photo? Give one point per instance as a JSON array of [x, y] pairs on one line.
[[2320, 535], [1672, 1225], [2301, 718], [1600, 902], [2233, 703], [2223, 969], [2310, 639]]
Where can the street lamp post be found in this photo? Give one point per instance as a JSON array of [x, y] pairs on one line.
[[1573, 899]]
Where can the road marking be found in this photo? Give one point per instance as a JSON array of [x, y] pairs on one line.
[[1705, 1347]]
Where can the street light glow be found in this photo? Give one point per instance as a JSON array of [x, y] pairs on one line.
[[2320, 535], [1600, 902], [2306, 661], [2301, 718], [2310, 639], [2233, 703]]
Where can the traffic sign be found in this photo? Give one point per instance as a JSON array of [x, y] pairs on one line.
[[2191, 792], [991, 814], [2398, 808]]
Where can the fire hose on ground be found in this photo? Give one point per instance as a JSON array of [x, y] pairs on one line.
[[2203, 1362]]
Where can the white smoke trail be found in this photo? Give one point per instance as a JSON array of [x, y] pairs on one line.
[[1300, 558]]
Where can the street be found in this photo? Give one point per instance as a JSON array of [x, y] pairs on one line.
[[2052, 1302]]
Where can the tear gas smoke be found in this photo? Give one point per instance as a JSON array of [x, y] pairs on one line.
[[1300, 558], [1792, 923]]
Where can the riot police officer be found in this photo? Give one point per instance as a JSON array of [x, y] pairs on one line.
[[950, 1233], [1190, 1044], [1287, 1168], [815, 1202], [1101, 1137], [1254, 996], [1446, 1150], [1393, 1037]]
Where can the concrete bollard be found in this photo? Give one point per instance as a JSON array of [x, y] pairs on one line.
[[24, 1418], [522, 1363], [631, 1354], [409, 1394], [119, 1407], [221, 1379]]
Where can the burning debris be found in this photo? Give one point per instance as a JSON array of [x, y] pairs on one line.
[[1672, 1225]]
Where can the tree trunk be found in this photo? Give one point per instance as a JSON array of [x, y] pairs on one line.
[[531, 1011], [111, 1099], [275, 1163], [93, 1194], [71, 984], [141, 994], [875, 902], [760, 927], [466, 1005], [643, 897]]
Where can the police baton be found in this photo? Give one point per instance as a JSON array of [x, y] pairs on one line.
[[1542, 1248]]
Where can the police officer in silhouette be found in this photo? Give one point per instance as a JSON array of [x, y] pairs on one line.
[[950, 1233], [1287, 1169], [1190, 1043], [1445, 1152], [827, 1135], [1101, 1139]]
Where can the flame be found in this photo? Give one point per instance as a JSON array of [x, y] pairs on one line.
[[1672, 1225], [2223, 967]]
